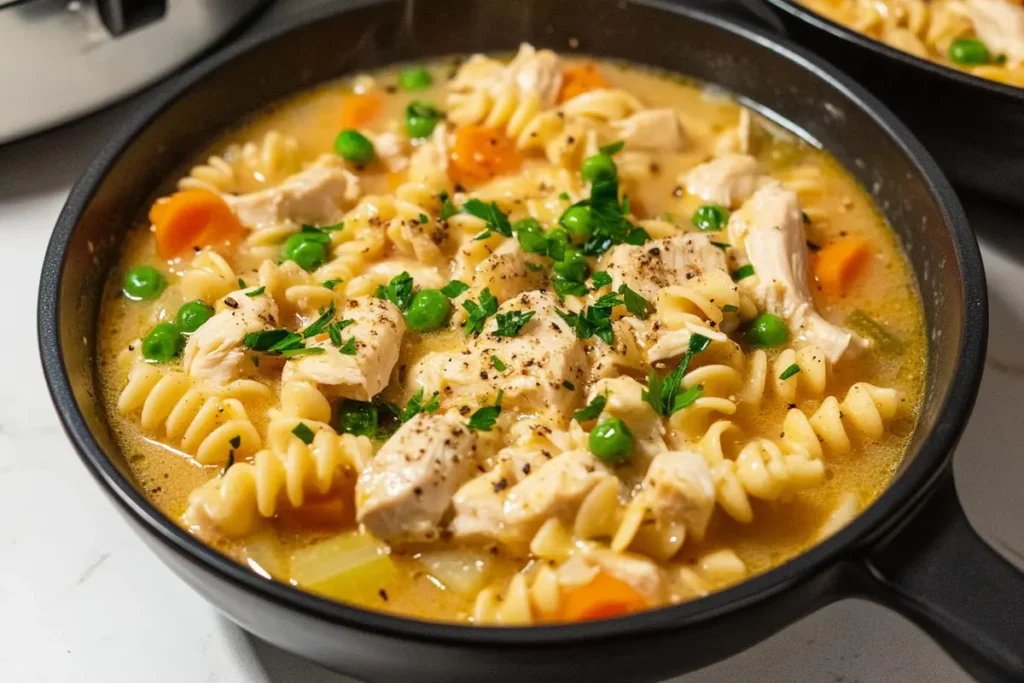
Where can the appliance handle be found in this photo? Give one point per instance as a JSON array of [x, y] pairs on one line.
[[938, 572], [122, 16], [752, 12]]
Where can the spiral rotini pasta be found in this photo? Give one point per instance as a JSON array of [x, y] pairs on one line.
[[201, 421], [247, 167], [209, 278]]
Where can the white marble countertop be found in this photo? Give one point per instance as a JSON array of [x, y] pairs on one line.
[[82, 600]]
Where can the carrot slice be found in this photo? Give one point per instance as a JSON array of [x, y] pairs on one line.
[[480, 153], [580, 78], [193, 218], [358, 110], [604, 597], [838, 264]]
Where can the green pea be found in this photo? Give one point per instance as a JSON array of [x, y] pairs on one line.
[[531, 236], [598, 167], [192, 315], [558, 240], [415, 79], [420, 119], [767, 330], [351, 145], [308, 253], [710, 217], [572, 265], [578, 221], [143, 283], [428, 311], [969, 51], [611, 441], [163, 343]]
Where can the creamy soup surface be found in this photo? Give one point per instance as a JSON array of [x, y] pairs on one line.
[[512, 340], [982, 37]]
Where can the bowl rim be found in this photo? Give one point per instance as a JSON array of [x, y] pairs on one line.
[[905, 490], [937, 69]]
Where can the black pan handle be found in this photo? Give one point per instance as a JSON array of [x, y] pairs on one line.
[[939, 573]]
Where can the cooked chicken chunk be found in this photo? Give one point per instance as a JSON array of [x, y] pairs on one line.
[[652, 130], [537, 72], [1000, 25], [377, 327], [538, 361], [636, 570], [404, 492], [313, 196], [679, 489], [725, 180], [769, 227], [506, 274], [215, 350], [661, 263], [554, 489]]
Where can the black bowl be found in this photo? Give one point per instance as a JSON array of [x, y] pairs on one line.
[[915, 561], [973, 126]]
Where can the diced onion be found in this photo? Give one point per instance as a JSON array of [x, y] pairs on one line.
[[347, 567], [461, 571], [262, 553]]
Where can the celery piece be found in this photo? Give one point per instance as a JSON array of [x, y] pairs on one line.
[[349, 567]]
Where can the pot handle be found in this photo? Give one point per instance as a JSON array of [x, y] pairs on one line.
[[938, 572], [753, 12]]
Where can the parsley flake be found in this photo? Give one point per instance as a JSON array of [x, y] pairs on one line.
[[663, 394], [320, 324], [398, 291], [480, 312], [496, 220], [331, 284], [613, 148], [484, 419], [790, 371], [304, 433], [635, 303], [454, 288], [592, 411], [498, 365], [235, 441], [729, 308], [415, 406], [256, 292], [568, 385], [511, 323], [423, 218], [742, 272], [447, 208], [600, 279], [349, 347]]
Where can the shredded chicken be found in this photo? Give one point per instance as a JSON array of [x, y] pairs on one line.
[[215, 350], [726, 180], [314, 196], [1000, 25]]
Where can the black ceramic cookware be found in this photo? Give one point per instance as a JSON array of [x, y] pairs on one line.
[[912, 549], [973, 126]]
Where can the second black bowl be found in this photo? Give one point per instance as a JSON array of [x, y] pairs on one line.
[[974, 127]]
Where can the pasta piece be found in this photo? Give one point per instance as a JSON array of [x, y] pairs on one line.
[[195, 418], [233, 501], [209, 278], [248, 167]]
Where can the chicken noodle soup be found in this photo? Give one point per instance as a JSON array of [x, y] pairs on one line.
[[983, 37], [512, 341]]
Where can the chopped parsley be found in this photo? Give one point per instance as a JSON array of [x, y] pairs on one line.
[[334, 331], [496, 220], [613, 148], [241, 284], [564, 196], [790, 371], [447, 208], [454, 288], [415, 406], [511, 323], [534, 267], [742, 272], [592, 411], [636, 304], [564, 287], [593, 321], [484, 419], [256, 292], [315, 234], [610, 226], [358, 417], [235, 441], [423, 218], [687, 398], [568, 385], [349, 347], [398, 291], [304, 433], [304, 351], [273, 342], [663, 394], [480, 312], [600, 279], [729, 308], [320, 324], [331, 284], [722, 245], [498, 365]]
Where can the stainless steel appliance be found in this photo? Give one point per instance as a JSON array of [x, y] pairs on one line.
[[60, 59]]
